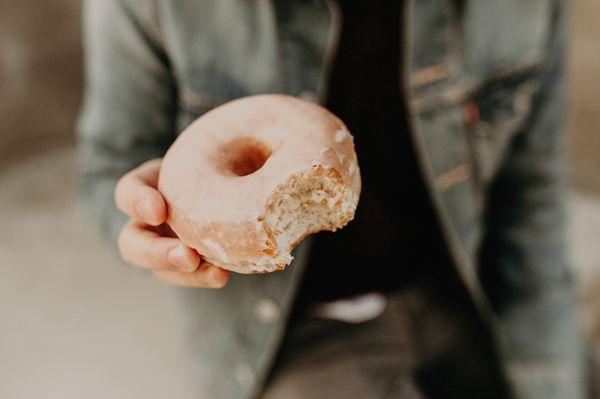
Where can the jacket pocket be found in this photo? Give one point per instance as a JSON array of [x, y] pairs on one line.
[[494, 114], [465, 131], [446, 148]]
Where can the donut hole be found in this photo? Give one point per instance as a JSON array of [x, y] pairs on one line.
[[244, 156]]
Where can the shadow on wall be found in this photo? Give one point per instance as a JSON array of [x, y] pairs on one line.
[[40, 74]]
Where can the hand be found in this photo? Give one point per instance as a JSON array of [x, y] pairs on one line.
[[147, 241]]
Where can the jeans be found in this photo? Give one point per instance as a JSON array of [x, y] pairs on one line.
[[427, 343]]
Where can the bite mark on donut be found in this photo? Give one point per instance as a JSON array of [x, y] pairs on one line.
[[307, 203]]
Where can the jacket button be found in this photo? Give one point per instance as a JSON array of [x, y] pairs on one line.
[[308, 96], [266, 310], [244, 374]]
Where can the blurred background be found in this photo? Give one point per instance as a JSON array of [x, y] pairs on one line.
[[73, 323]]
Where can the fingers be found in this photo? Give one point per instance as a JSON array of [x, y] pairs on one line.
[[136, 194], [143, 247], [206, 276], [172, 262], [153, 248]]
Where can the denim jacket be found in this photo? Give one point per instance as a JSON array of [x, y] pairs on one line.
[[483, 81]]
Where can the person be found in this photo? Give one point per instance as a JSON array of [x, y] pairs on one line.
[[453, 279]]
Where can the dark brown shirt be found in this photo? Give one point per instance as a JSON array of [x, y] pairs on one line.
[[394, 224]]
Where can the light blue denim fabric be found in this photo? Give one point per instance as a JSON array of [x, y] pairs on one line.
[[484, 82]]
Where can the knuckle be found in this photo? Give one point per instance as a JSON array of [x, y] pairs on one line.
[[121, 194], [122, 243], [118, 194], [129, 248], [120, 183]]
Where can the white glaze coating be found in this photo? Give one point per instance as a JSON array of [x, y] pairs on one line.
[[219, 213]]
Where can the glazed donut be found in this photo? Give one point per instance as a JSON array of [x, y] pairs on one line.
[[247, 181]]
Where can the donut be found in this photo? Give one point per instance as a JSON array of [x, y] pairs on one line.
[[250, 179]]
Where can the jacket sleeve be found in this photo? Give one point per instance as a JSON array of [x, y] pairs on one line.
[[129, 104], [523, 262]]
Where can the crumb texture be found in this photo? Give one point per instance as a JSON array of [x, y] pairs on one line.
[[307, 204]]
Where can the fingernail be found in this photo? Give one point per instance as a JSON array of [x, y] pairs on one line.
[[178, 258], [144, 208], [217, 282]]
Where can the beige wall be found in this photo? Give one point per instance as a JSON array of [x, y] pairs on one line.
[[40, 73], [584, 126]]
